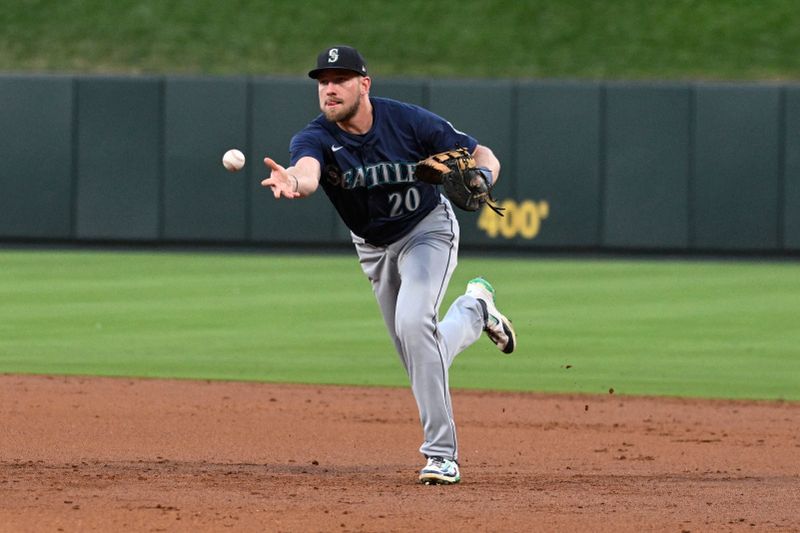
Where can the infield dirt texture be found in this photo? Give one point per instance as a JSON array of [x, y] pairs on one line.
[[116, 454]]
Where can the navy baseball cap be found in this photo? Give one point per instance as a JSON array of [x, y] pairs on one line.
[[339, 57]]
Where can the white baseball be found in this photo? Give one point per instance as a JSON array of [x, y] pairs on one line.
[[233, 160]]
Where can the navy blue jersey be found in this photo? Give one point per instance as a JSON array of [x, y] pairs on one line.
[[370, 178]]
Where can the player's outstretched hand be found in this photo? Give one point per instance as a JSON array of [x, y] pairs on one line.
[[280, 181]]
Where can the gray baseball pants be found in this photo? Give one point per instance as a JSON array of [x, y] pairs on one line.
[[409, 278]]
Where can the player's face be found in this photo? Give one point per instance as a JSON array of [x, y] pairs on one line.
[[339, 94]]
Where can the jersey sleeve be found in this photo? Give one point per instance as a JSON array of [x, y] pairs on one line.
[[438, 134], [305, 144]]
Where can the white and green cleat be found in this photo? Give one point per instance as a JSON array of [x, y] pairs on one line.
[[439, 471], [498, 328]]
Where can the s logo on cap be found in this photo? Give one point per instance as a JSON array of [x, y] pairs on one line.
[[333, 55]]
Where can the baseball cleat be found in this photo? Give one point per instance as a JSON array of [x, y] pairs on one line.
[[498, 328], [439, 471]]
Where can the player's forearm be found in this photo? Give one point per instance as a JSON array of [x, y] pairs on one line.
[[302, 184], [484, 157], [297, 182], [304, 176]]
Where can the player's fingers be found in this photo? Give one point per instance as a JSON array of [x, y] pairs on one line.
[[273, 165], [278, 184], [278, 192]]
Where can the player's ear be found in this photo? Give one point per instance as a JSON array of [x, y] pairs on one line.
[[366, 83]]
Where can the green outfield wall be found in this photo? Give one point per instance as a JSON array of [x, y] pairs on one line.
[[673, 167]]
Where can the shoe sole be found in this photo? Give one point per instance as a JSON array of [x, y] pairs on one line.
[[433, 479], [511, 334]]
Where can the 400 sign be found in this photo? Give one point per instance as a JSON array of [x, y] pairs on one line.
[[523, 219]]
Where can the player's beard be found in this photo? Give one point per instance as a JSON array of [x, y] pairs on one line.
[[344, 114]]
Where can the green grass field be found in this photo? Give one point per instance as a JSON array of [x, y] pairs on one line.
[[633, 39], [688, 328]]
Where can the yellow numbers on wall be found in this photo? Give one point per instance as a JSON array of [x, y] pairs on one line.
[[523, 219]]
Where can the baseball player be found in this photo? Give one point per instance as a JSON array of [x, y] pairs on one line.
[[363, 151]]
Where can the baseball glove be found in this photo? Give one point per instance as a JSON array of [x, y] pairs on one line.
[[467, 185]]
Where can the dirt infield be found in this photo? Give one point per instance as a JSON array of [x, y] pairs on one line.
[[89, 454]]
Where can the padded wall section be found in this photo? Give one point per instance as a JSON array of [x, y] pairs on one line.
[[646, 167], [736, 171], [791, 174], [203, 119], [557, 149], [119, 158], [36, 147]]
